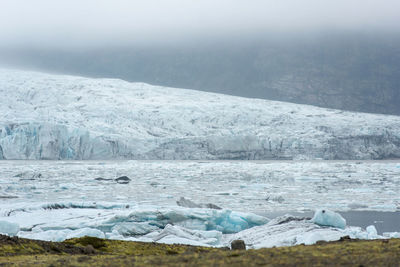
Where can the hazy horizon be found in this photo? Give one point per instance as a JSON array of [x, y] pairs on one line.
[[96, 23]]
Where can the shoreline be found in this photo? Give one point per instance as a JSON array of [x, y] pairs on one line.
[[90, 251]]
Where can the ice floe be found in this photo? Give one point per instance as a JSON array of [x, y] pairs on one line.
[[326, 217]]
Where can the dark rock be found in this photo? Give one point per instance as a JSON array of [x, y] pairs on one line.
[[7, 196], [123, 180], [345, 238], [36, 175], [154, 184], [238, 245], [89, 249]]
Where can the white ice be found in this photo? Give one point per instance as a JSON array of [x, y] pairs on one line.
[[326, 217], [46, 116], [9, 228], [206, 227], [256, 186]]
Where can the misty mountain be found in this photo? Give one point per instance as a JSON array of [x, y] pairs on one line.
[[350, 71]]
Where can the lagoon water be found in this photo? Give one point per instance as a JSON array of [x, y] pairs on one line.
[[84, 192]]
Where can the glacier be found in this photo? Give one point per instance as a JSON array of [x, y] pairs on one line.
[[47, 116]]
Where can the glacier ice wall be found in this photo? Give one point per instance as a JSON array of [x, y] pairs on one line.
[[47, 116], [48, 141]]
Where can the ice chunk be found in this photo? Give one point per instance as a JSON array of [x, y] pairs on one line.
[[184, 202], [392, 234], [286, 231], [61, 235], [180, 240], [175, 234], [9, 228], [372, 232], [325, 217], [309, 238], [194, 224], [114, 235], [225, 221], [50, 235], [85, 232], [134, 228]]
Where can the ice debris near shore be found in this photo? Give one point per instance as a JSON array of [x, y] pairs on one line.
[[225, 221], [291, 230], [326, 217], [46, 116], [391, 234], [193, 226], [8, 228], [63, 234], [55, 224]]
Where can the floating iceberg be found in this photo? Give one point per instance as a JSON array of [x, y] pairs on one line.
[[326, 217]]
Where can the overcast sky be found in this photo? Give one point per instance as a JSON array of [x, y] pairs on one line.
[[99, 22]]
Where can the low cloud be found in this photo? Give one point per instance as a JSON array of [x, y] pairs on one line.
[[102, 22]]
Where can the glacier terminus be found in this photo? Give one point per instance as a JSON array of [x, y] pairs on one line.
[[46, 116]]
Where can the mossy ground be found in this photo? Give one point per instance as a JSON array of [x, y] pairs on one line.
[[88, 251]]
